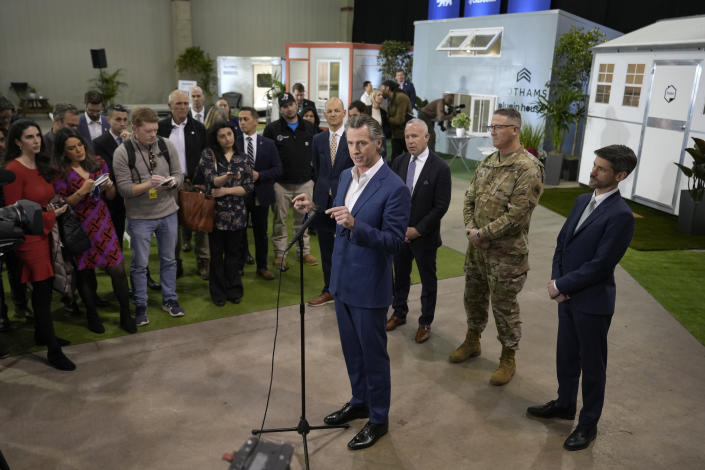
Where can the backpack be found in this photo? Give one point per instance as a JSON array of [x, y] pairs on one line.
[[163, 149]]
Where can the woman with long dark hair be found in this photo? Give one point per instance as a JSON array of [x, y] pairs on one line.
[[229, 177], [26, 157], [75, 181]]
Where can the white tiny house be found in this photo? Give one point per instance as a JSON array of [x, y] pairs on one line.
[[647, 92]]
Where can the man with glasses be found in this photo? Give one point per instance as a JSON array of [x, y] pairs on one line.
[[498, 205], [148, 175]]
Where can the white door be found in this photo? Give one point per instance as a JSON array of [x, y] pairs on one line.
[[668, 114]]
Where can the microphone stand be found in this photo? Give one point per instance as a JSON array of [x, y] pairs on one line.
[[302, 427]]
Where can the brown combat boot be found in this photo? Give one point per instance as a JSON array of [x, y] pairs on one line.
[[505, 370], [469, 348]]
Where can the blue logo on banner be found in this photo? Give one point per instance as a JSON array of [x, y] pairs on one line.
[[442, 9], [481, 7], [520, 6]]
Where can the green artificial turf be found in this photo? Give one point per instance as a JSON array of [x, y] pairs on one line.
[[195, 298], [653, 229], [457, 168], [675, 279]]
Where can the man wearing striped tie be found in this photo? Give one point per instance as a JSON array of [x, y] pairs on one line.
[[330, 158], [592, 241]]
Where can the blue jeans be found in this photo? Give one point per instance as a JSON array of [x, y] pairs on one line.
[[141, 231]]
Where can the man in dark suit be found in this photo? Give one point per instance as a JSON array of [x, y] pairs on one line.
[[189, 138], [330, 159], [198, 110], [589, 246], [92, 124], [406, 86], [104, 147], [264, 158], [371, 210], [428, 178]]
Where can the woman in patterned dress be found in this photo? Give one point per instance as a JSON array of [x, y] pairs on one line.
[[229, 177], [26, 157], [75, 179]]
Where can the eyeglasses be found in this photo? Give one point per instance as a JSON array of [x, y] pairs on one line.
[[152, 160], [496, 127]]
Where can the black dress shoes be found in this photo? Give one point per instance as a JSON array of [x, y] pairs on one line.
[[580, 438], [347, 413], [368, 436], [58, 360], [551, 410]]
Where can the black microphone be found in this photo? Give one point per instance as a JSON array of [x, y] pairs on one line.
[[308, 220]]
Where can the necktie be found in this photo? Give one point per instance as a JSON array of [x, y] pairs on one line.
[[118, 140], [333, 148], [250, 153], [586, 213], [410, 174], [198, 118]]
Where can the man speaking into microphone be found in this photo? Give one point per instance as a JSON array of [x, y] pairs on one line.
[[371, 211]]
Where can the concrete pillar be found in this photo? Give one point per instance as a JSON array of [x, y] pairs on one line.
[[345, 26], [181, 35]]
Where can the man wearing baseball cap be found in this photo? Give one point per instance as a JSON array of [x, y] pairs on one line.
[[293, 137]]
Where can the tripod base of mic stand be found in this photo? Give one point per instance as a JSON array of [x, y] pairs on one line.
[[303, 428]]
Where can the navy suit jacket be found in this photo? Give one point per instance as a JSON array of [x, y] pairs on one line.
[[326, 176], [104, 147], [267, 164], [361, 272], [584, 261], [430, 199], [195, 142], [83, 127]]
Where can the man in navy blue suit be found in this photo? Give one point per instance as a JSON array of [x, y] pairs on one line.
[[262, 155], [330, 158], [590, 244], [92, 124], [428, 178], [371, 210]]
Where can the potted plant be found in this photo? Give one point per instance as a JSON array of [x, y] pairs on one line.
[[691, 211], [461, 123], [200, 66], [109, 85], [531, 137]]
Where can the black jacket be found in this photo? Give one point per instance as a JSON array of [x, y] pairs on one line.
[[195, 142], [295, 149]]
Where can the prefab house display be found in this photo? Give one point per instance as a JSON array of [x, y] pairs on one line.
[[647, 92], [332, 69], [490, 62], [251, 77]]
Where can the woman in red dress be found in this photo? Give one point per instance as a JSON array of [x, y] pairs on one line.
[[77, 173], [26, 157]]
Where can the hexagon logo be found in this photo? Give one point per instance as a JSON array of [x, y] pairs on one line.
[[670, 93]]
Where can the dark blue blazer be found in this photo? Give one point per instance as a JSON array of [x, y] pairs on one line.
[[326, 176], [83, 127], [267, 163], [584, 261], [361, 272], [430, 199]]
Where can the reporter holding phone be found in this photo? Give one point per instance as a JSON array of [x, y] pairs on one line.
[[27, 158], [76, 181]]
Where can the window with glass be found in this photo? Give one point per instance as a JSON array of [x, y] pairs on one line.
[[480, 109], [472, 42], [604, 83], [328, 79], [633, 82]]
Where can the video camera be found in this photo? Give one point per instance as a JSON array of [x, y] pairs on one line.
[[450, 109], [22, 217]]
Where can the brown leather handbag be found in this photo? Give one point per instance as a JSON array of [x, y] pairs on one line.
[[196, 210]]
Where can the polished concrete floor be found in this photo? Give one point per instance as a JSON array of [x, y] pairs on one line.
[[179, 398]]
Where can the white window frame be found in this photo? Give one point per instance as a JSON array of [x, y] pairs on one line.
[[319, 62], [475, 127], [470, 34]]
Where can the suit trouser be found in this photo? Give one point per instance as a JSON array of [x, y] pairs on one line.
[[582, 347], [426, 262], [283, 194], [259, 216], [326, 239], [364, 342]]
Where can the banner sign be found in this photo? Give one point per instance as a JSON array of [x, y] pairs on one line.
[[521, 6], [442, 9], [481, 7]]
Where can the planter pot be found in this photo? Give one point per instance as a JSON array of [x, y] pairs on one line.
[[460, 131], [570, 169], [553, 166], [691, 215]]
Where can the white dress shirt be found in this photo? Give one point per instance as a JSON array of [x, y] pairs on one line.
[[420, 162], [199, 115], [177, 137], [95, 128], [357, 185], [366, 98]]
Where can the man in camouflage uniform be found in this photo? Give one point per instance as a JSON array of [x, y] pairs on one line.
[[497, 211]]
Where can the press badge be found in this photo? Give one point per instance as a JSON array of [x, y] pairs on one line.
[[152, 193]]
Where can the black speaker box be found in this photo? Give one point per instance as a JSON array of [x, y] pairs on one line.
[[98, 59]]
